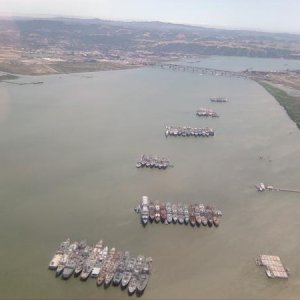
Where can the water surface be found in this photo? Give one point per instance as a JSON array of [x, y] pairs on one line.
[[68, 153]]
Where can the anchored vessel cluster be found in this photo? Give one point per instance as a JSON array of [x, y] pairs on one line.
[[206, 112], [218, 99], [188, 131], [193, 214], [106, 265], [149, 161]]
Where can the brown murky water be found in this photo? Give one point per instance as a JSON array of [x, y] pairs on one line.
[[68, 153]]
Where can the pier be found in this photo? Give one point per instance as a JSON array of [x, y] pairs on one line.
[[261, 187]]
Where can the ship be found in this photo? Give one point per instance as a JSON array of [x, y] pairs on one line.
[[144, 210], [133, 284], [87, 269], [144, 276], [197, 215], [157, 212], [186, 214], [180, 213], [163, 212], [174, 213], [192, 215], [209, 215], [203, 215], [61, 265], [128, 272], [55, 261], [69, 269], [151, 211]]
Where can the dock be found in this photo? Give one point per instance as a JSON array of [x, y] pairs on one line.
[[274, 266]]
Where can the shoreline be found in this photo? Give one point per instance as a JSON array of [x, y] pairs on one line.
[[18, 69], [291, 104]]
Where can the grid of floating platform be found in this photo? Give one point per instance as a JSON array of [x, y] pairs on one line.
[[193, 214], [206, 112], [188, 131], [149, 161], [108, 266], [274, 266]]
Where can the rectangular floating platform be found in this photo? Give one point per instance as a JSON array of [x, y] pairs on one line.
[[274, 266]]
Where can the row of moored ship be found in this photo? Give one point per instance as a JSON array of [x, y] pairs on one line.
[[188, 131], [106, 265], [193, 214], [206, 112], [149, 161]]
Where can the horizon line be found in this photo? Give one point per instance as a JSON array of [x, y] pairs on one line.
[[221, 27]]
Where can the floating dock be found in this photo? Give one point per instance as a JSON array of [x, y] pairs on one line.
[[274, 266]]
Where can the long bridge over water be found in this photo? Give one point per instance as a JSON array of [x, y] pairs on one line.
[[199, 70]]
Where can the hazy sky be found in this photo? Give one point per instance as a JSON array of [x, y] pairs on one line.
[[270, 15]]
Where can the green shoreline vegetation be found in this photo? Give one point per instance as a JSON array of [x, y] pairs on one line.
[[290, 103]]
